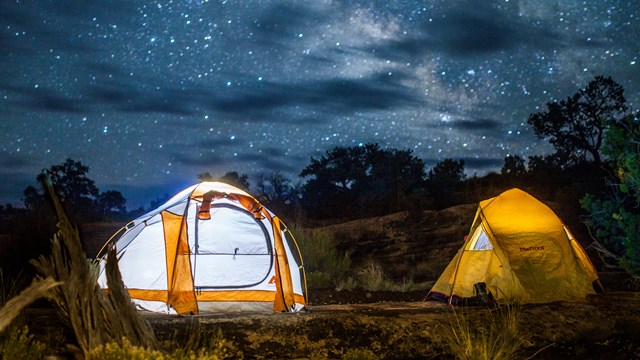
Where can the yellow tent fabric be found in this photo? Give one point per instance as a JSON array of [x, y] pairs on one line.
[[522, 251]]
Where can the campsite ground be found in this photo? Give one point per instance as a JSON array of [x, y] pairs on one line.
[[607, 325], [399, 325]]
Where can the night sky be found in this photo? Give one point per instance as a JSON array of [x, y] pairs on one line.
[[149, 94]]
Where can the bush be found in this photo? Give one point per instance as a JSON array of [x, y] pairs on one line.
[[359, 354], [199, 345], [324, 265], [20, 345], [372, 278], [123, 350]]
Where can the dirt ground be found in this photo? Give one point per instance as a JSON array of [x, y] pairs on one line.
[[605, 326], [399, 325]]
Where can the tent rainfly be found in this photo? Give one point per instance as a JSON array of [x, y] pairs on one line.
[[522, 252], [211, 247]]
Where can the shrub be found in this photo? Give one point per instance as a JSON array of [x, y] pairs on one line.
[[349, 283], [123, 350], [615, 215], [372, 278], [216, 348], [359, 354], [324, 265], [19, 344]]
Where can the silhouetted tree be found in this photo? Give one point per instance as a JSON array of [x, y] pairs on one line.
[[278, 193], [513, 166], [77, 192], [112, 203], [274, 187], [231, 178], [576, 126], [206, 176], [543, 164], [444, 182], [33, 200], [360, 180], [235, 179], [447, 171], [393, 175], [72, 184]]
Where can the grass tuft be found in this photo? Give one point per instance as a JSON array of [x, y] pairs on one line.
[[372, 278], [12, 286], [202, 343], [497, 338], [359, 354]]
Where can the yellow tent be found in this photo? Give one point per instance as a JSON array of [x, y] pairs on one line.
[[521, 251]]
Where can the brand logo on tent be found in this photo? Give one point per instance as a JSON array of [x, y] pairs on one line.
[[272, 281], [532, 248]]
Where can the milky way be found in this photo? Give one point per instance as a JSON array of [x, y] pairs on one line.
[[149, 94]]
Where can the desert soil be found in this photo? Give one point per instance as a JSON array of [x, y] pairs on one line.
[[396, 325], [605, 326]]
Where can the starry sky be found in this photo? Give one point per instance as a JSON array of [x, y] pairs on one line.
[[148, 94]]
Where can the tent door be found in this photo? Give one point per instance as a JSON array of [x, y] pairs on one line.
[[232, 249]]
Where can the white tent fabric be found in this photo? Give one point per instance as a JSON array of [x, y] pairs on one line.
[[232, 258]]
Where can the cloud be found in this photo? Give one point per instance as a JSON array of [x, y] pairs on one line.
[[267, 163], [471, 164], [246, 161], [218, 142], [482, 164], [203, 161], [282, 23], [54, 25], [44, 99], [166, 101], [470, 29], [486, 126], [144, 94], [334, 96], [14, 162], [257, 100]]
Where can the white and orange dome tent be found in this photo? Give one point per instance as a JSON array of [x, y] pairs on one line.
[[211, 247]]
